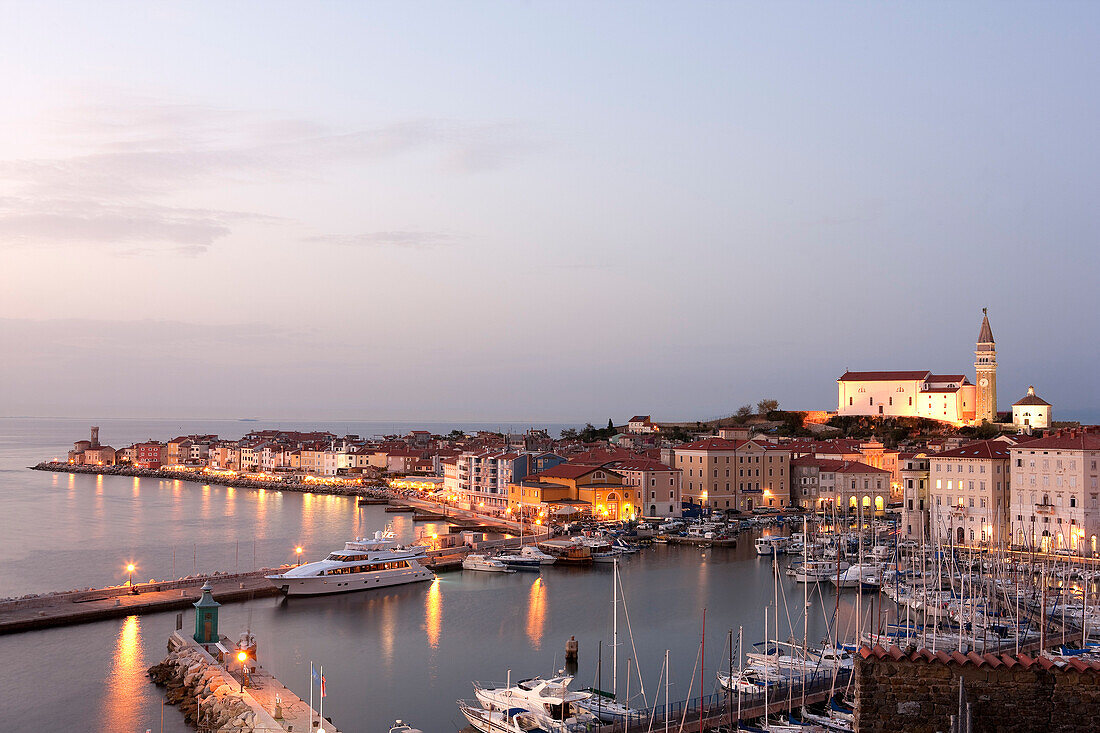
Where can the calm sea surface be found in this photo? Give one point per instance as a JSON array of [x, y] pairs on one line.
[[405, 653]]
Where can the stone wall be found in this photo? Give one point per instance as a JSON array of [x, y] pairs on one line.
[[203, 691], [918, 695]]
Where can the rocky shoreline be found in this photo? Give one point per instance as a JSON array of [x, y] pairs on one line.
[[202, 690], [239, 483]]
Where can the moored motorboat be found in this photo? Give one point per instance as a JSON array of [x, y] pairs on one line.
[[485, 564], [363, 564]]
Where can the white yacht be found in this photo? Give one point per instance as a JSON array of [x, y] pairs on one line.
[[485, 564], [361, 565], [869, 576], [529, 557], [551, 698]]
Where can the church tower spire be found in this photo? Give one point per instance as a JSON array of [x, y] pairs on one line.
[[985, 368]]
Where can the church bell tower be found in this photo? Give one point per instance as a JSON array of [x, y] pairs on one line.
[[985, 369]]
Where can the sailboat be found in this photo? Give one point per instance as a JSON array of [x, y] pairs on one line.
[[604, 706]]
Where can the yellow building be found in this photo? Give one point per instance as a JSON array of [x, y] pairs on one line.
[[590, 489]]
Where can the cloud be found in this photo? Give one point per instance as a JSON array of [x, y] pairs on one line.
[[27, 222], [401, 239], [117, 162]]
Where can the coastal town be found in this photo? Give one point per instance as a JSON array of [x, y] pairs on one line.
[[962, 538], [930, 450]]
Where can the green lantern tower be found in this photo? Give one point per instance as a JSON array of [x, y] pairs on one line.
[[206, 617]]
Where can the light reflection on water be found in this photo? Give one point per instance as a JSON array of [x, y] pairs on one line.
[[536, 613], [433, 613], [126, 679]]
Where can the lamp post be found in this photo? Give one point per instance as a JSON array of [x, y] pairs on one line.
[[130, 575], [298, 553], [242, 656]]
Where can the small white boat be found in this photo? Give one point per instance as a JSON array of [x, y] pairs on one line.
[[400, 727], [485, 564], [549, 698], [816, 571], [770, 545]]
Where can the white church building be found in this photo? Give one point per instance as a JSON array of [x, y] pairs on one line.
[[949, 398]]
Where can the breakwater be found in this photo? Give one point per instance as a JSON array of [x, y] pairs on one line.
[[211, 697], [278, 483], [78, 607]]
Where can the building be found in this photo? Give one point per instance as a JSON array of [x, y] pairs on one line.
[[859, 488], [914, 496], [481, 478], [969, 490], [944, 397], [640, 425], [1031, 413], [659, 485], [985, 369], [590, 490], [813, 482], [949, 398], [738, 475], [150, 454], [1056, 491]]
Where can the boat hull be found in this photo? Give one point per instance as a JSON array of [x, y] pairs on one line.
[[330, 585]]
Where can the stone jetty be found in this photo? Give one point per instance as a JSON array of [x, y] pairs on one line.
[[211, 697]]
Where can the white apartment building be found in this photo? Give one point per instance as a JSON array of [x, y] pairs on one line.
[[969, 489], [1056, 492]]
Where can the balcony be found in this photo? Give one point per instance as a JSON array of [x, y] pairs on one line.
[[1047, 509]]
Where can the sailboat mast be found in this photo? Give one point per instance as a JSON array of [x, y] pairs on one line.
[[615, 629], [666, 690], [702, 662]]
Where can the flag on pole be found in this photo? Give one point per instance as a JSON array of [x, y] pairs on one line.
[[323, 693], [316, 674]]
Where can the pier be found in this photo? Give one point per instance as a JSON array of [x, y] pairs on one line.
[[81, 607]]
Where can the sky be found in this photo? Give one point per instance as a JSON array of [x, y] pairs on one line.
[[540, 210]]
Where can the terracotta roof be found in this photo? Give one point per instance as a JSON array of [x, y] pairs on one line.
[[712, 444], [883, 376], [640, 464], [982, 449], [639, 418], [856, 467], [960, 378], [567, 470], [1083, 438], [825, 464], [1031, 399], [974, 659]]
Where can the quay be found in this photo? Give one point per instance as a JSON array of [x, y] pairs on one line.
[[81, 607]]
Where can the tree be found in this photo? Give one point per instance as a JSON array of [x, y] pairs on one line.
[[456, 434], [763, 407], [568, 434], [610, 426], [744, 412]]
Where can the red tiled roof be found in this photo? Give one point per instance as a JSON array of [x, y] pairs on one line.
[[883, 376], [856, 467], [640, 464], [567, 470], [974, 659], [825, 464], [715, 444], [960, 378], [1083, 438], [982, 449]]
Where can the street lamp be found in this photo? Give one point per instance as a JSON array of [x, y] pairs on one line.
[[130, 572], [298, 552], [242, 656]]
